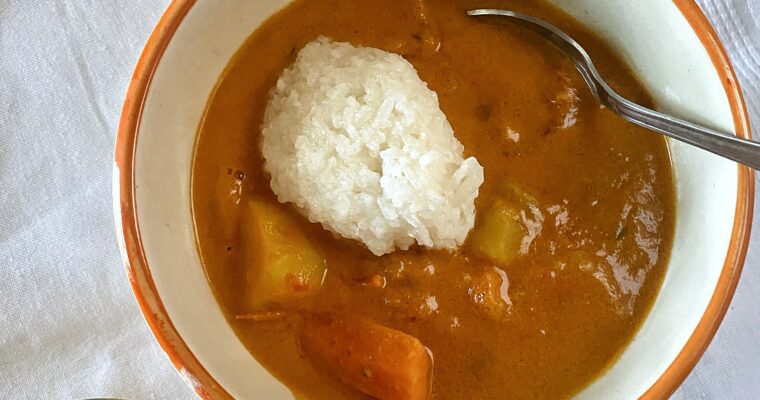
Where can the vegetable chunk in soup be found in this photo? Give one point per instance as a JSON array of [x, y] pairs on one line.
[[573, 228]]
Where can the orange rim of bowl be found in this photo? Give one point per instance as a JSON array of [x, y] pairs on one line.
[[193, 372]]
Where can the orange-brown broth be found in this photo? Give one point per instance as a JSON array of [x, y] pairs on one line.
[[605, 188]]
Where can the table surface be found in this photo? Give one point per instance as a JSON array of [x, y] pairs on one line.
[[69, 327]]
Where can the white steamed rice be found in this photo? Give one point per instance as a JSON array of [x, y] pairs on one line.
[[358, 142]]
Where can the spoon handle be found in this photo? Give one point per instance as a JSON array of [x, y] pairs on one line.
[[723, 144]]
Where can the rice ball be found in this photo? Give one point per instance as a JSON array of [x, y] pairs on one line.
[[356, 140]]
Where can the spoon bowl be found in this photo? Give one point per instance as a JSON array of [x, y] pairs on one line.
[[724, 144]]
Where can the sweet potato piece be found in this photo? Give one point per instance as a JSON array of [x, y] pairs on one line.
[[373, 359], [282, 265]]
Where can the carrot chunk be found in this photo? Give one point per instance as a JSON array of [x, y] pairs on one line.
[[376, 360]]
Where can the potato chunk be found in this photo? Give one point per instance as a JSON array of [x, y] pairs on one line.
[[379, 361], [282, 265], [507, 228], [499, 234]]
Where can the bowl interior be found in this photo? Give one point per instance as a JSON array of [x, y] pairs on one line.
[[651, 35]]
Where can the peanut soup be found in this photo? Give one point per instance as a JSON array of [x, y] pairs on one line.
[[572, 237]]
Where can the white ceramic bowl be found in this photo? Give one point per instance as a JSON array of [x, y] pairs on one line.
[[670, 45]]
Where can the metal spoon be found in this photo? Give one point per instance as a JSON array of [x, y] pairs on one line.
[[723, 144]]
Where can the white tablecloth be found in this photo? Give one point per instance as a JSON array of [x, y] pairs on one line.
[[69, 327]]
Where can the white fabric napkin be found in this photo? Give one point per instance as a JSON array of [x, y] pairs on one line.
[[69, 326]]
